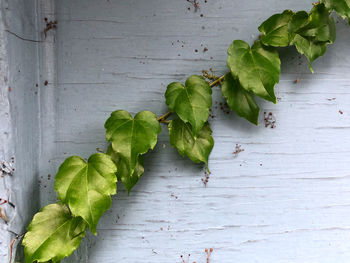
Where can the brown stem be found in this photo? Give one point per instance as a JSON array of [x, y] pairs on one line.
[[162, 118], [12, 244], [217, 81]]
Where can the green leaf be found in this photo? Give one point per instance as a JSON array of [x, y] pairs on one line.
[[312, 33], [256, 68], [53, 234], [191, 102], [276, 29], [240, 100], [320, 25], [196, 148], [87, 186], [131, 137], [311, 49], [299, 20], [124, 174], [342, 7]]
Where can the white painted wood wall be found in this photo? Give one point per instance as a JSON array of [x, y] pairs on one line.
[[285, 198]]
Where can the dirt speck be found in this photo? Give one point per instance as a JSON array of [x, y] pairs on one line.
[[269, 120], [195, 4], [238, 149], [205, 180], [49, 25]]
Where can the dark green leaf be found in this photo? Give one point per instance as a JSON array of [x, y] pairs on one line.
[[87, 186], [311, 49], [320, 25], [131, 137], [196, 148], [240, 100], [312, 33], [191, 102], [342, 7], [53, 234], [124, 174], [256, 68], [276, 29]]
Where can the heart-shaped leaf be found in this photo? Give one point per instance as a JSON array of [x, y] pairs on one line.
[[131, 137], [342, 7], [196, 148], [87, 186], [240, 100], [53, 234], [313, 32], [124, 174], [320, 26], [310, 48], [276, 29], [256, 68], [310, 33], [191, 102]]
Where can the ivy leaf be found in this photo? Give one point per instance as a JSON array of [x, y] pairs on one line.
[[131, 137], [87, 186], [310, 33], [196, 148], [313, 32], [342, 7], [240, 100], [256, 68], [124, 174], [53, 234], [320, 25], [276, 29], [310, 48], [191, 102]]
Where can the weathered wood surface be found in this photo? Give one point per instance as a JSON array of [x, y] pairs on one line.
[[19, 111], [286, 198]]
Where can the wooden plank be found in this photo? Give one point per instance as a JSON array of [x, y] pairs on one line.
[[284, 199]]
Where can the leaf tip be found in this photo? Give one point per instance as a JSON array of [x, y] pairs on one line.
[[207, 168], [311, 69], [93, 230]]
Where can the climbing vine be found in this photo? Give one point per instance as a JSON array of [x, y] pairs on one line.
[[85, 187]]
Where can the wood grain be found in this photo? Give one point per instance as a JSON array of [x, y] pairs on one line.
[[285, 198]]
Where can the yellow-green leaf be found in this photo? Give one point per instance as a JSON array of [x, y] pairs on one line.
[[53, 234], [191, 101], [87, 186]]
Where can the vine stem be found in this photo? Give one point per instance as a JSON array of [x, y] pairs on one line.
[[12, 244], [162, 119]]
